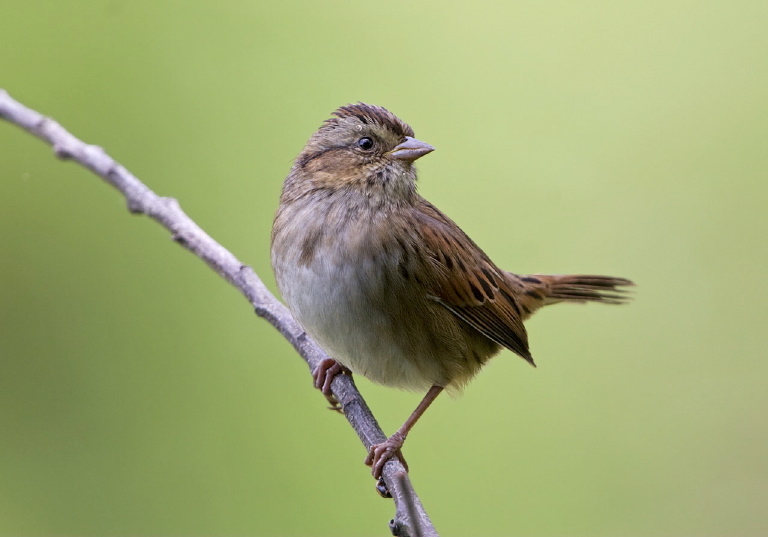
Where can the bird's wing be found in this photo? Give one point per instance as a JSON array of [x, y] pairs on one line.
[[464, 280]]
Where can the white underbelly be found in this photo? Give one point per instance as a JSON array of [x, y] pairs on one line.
[[347, 309]]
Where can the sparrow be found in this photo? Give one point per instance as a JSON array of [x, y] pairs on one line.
[[388, 285]]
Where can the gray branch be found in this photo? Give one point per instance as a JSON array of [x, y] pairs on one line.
[[410, 517]]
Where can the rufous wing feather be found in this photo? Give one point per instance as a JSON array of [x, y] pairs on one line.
[[464, 280]]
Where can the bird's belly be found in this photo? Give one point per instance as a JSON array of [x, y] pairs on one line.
[[366, 318]]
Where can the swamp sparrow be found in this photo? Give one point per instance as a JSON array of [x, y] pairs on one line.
[[387, 284]]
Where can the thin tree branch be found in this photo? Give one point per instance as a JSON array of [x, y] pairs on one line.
[[410, 517]]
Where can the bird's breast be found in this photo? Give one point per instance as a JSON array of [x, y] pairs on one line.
[[353, 285], [340, 279]]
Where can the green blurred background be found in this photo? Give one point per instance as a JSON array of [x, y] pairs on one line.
[[139, 395]]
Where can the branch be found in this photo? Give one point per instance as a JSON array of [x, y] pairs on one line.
[[410, 517]]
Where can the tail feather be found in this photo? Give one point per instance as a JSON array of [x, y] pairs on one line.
[[537, 290], [586, 288]]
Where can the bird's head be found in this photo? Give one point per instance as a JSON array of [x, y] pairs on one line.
[[362, 147]]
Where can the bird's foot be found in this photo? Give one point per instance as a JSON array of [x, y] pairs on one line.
[[382, 489], [323, 375], [379, 454]]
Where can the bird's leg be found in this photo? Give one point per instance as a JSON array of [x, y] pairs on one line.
[[323, 375], [379, 454]]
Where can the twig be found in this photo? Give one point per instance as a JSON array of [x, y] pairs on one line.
[[168, 213], [410, 507]]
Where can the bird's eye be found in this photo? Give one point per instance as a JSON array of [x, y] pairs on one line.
[[365, 143]]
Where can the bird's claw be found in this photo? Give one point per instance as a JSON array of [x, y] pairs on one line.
[[379, 454], [382, 489], [324, 374]]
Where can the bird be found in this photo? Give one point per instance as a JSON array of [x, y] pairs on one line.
[[389, 286]]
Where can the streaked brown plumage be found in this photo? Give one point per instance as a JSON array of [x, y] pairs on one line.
[[387, 284]]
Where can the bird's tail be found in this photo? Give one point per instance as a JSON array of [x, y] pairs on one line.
[[543, 289], [585, 288]]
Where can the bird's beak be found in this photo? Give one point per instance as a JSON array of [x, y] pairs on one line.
[[411, 149]]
